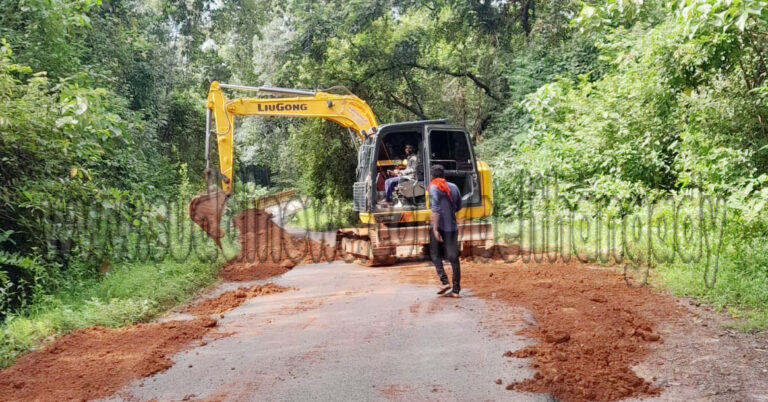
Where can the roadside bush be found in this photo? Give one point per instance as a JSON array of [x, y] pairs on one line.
[[66, 152], [679, 104]]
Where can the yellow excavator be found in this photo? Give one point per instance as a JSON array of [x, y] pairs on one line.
[[381, 150]]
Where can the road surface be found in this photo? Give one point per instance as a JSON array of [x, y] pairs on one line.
[[349, 333]]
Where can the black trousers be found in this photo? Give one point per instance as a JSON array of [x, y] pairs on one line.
[[448, 249]]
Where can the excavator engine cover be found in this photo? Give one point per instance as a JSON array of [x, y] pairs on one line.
[[206, 208]]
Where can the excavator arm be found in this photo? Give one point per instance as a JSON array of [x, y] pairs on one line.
[[347, 110]]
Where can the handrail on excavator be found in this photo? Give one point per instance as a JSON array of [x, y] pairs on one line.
[[270, 90]]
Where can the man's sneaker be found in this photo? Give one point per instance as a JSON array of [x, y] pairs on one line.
[[452, 294], [444, 289]]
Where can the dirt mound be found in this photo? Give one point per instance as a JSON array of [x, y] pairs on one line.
[[267, 250], [95, 362], [234, 271], [591, 328], [230, 300]]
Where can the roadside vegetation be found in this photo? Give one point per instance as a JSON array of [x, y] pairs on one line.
[[626, 103], [324, 215], [127, 294], [675, 113]]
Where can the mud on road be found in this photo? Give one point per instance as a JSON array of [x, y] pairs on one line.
[[95, 362], [232, 299], [599, 339], [267, 249], [590, 327]]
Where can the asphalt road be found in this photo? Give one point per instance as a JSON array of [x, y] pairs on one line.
[[349, 333]]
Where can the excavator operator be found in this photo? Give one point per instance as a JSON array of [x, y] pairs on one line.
[[397, 175]]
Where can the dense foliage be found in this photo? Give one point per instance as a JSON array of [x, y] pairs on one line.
[[677, 104], [620, 99]]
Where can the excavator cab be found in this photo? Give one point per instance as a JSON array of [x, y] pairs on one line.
[[437, 143]]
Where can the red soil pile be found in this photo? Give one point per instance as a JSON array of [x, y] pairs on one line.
[[267, 250], [230, 300], [591, 327], [234, 271], [95, 362]]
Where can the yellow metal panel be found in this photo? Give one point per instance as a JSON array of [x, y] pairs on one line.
[[225, 124], [486, 187], [392, 162], [366, 217], [348, 111]]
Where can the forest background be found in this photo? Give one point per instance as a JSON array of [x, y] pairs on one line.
[[623, 101]]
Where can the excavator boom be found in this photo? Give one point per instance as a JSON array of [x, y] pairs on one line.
[[346, 110]]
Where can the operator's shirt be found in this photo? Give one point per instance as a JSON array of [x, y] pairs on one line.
[[411, 165], [440, 204]]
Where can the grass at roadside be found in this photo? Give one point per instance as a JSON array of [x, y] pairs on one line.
[[323, 216], [130, 292], [739, 288]]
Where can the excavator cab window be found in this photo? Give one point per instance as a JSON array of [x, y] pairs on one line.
[[451, 148], [364, 159], [392, 147], [392, 156]]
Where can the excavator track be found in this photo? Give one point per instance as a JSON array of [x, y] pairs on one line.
[[354, 245], [377, 245]]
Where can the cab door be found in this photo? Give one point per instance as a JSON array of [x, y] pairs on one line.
[[452, 148]]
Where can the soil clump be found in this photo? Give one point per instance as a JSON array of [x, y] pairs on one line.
[[267, 249], [96, 362], [232, 299], [590, 327]]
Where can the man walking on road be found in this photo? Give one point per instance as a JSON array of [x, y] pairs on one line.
[[444, 201]]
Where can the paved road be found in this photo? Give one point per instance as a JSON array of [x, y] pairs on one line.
[[349, 333]]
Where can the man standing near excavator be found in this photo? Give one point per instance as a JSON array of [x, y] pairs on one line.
[[444, 201]]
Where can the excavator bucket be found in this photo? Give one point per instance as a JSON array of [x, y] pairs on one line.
[[206, 208]]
